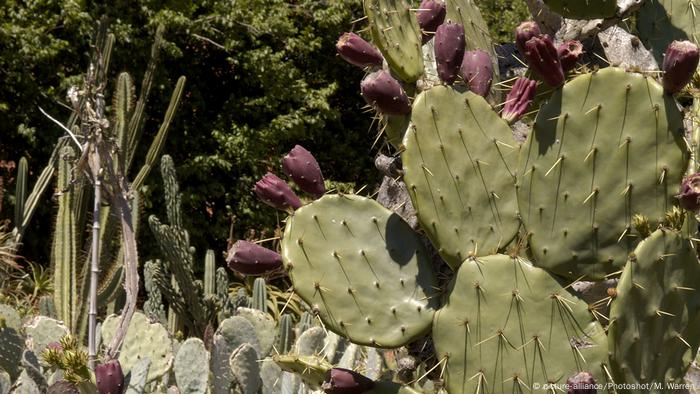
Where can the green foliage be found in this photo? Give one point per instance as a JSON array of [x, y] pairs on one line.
[[502, 17]]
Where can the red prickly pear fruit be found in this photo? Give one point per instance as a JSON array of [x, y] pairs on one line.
[[385, 93], [518, 99], [357, 51], [689, 195], [300, 165], [109, 377], [54, 346], [63, 387], [449, 50], [431, 14], [346, 381], [276, 193], [477, 71], [252, 259], [680, 62], [542, 57], [569, 53], [581, 383], [524, 32]]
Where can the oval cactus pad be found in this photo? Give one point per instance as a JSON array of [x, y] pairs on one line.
[[509, 327], [362, 268], [606, 147]]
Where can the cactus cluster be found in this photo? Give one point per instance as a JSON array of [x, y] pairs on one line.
[[591, 193]]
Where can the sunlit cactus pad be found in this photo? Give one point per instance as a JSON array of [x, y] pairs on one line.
[[608, 146], [362, 268], [460, 164], [396, 32], [655, 319], [508, 327], [583, 9], [662, 21]]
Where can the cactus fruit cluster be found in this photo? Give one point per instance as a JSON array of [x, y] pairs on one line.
[[591, 193]]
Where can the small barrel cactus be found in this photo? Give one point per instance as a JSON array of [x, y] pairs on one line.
[[358, 52], [300, 165], [252, 259], [276, 193]]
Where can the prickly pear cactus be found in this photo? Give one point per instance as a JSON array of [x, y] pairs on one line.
[[460, 164], [191, 367], [362, 268], [395, 31], [655, 319], [660, 22], [144, 339], [607, 146], [507, 325]]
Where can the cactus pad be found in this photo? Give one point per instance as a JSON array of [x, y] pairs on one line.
[[459, 165], [396, 32], [508, 324], [655, 320], [583, 9], [11, 345], [607, 146], [190, 367], [362, 268], [245, 369], [9, 317], [143, 339], [42, 330], [660, 22], [311, 369]]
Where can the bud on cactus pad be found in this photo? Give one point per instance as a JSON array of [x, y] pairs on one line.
[[346, 381], [680, 62], [449, 50], [276, 193], [252, 259], [300, 165], [110, 378], [518, 99], [524, 32], [357, 51], [542, 57], [581, 383], [477, 71], [689, 196], [569, 53], [385, 93], [431, 14]]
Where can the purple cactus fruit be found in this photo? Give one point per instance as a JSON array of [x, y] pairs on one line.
[[689, 196], [252, 259], [581, 383], [63, 387], [569, 53], [680, 62], [357, 51], [385, 93], [449, 50], [430, 15], [346, 381], [54, 346], [542, 57], [524, 32], [276, 193], [518, 99], [300, 165], [477, 71], [109, 377]]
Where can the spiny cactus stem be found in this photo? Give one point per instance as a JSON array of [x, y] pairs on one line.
[[94, 270]]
